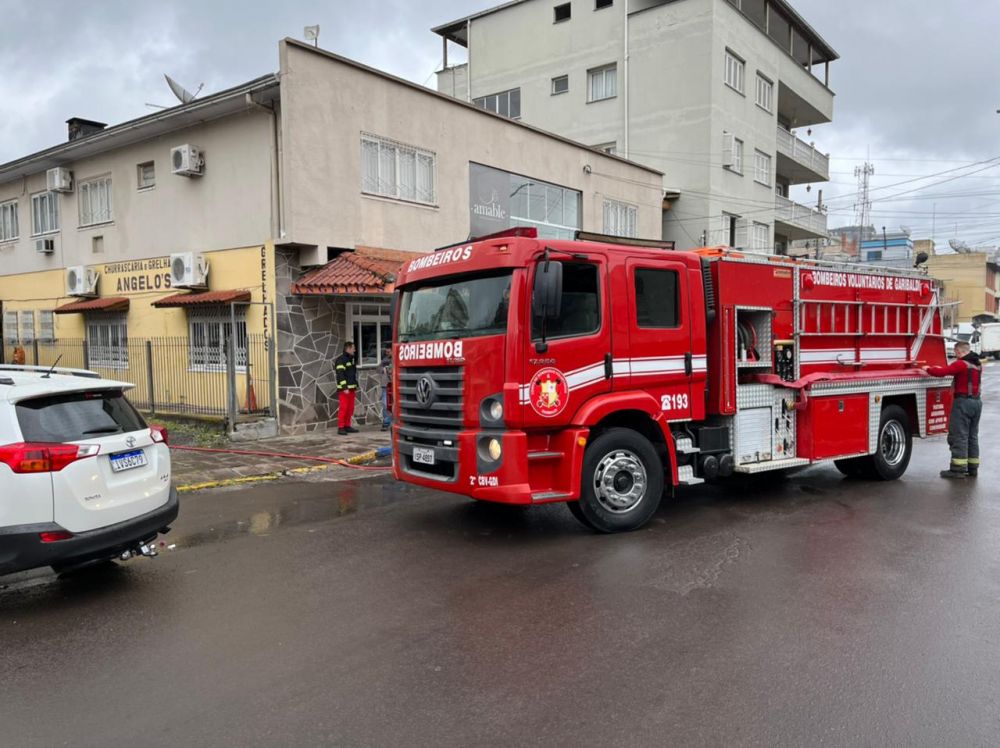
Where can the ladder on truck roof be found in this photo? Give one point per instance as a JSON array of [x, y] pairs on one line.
[[838, 319]]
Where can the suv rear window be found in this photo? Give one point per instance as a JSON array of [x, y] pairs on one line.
[[77, 416]]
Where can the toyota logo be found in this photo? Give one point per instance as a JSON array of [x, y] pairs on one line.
[[130, 442], [425, 390]]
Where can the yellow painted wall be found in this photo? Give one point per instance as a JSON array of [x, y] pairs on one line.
[[965, 280], [143, 282]]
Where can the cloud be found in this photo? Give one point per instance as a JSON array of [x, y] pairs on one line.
[[916, 84]]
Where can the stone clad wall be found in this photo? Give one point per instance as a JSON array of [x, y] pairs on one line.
[[310, 337]]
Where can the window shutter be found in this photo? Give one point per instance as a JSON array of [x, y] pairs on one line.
[[741, 233], [727, 149]]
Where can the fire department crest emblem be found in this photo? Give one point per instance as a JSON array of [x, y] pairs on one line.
[[548, 392]]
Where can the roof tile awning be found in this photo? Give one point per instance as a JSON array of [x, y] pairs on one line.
[[366, 270], [203, 298], [111, 304]]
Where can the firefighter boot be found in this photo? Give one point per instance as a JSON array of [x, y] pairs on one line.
[[954, 471], [973, 467]]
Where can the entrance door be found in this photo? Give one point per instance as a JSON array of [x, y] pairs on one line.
[[659, 328], [574, 362]]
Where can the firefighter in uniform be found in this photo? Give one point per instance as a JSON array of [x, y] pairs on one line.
[[963, 429], [347, 388]]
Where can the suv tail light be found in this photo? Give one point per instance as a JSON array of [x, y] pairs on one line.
[[160, 435], [44, 458]]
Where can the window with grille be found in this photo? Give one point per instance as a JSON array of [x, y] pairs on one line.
[[762, 168], [26, 326], [765, 93], [95, 201], [107, 341], [8, 221], [369, 326], [46, 326], [10, 327], [735, 71], [507, 103], [391, 169], [210, 333], [44, 213], [602, 83], [620, 219]]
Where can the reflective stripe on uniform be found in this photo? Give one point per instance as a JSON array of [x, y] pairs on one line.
[[959, 461], [973, 460]]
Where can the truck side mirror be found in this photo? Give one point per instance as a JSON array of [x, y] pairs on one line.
[[546, 297]]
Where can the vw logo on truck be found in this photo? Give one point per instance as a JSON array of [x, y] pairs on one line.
[[425, 390]]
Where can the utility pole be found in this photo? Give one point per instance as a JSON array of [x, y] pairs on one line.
[[863, 206]]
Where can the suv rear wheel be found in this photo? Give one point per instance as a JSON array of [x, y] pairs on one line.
[[622, 482]]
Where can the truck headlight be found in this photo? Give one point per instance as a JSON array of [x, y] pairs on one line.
[[496, 410], [494, 449]]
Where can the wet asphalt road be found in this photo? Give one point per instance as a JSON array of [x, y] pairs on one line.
[[806, 611]]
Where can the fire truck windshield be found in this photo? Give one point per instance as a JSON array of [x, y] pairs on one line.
[[470, 307]]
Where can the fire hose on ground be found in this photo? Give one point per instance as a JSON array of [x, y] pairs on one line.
[[350, 462]]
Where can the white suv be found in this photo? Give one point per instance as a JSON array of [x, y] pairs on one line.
[[83, 478]]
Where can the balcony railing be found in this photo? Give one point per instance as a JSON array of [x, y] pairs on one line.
[[801, 217], [804, 154]]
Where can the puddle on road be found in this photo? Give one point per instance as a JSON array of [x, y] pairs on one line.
[[345, 499]]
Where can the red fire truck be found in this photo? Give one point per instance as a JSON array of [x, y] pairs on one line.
[[531, 371]]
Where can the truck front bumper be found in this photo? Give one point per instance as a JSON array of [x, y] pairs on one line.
[[519, 476]]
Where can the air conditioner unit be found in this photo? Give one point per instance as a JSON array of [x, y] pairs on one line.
[[187, 160], [81, 281], [188, 270], [59, 180], [45, 246]]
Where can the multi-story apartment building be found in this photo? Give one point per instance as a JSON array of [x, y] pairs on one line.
[[717, 94], [293, 199], [971, 281]]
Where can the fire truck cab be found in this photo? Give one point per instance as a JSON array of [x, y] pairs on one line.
[[532, 371]]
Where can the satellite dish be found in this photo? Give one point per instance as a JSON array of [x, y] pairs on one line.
[[906, 230], [182, 94], [959, 246]]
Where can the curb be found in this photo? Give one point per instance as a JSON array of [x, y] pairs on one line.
[[357, 459]]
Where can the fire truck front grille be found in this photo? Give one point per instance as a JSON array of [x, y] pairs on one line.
[[431, 396]]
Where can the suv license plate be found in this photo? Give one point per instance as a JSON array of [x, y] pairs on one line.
[[423, 455], [127, 460]]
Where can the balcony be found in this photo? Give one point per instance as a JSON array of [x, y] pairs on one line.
[[800, 162], [797, 221]]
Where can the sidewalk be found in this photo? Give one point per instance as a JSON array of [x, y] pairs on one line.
[[193, 470]]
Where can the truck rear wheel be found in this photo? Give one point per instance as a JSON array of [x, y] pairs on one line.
[[622, 482], [892, 452]]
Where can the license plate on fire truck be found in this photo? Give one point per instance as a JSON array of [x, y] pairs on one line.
[[423, 455]]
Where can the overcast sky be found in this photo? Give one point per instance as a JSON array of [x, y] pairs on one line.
[[918, 83]]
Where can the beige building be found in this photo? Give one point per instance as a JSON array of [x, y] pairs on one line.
[[299, 194], [972, 279], [720, 95]]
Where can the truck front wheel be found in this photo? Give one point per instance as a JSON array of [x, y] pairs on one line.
[[622, 482]]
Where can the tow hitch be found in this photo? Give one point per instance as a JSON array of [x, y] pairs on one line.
[[143, 549]]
